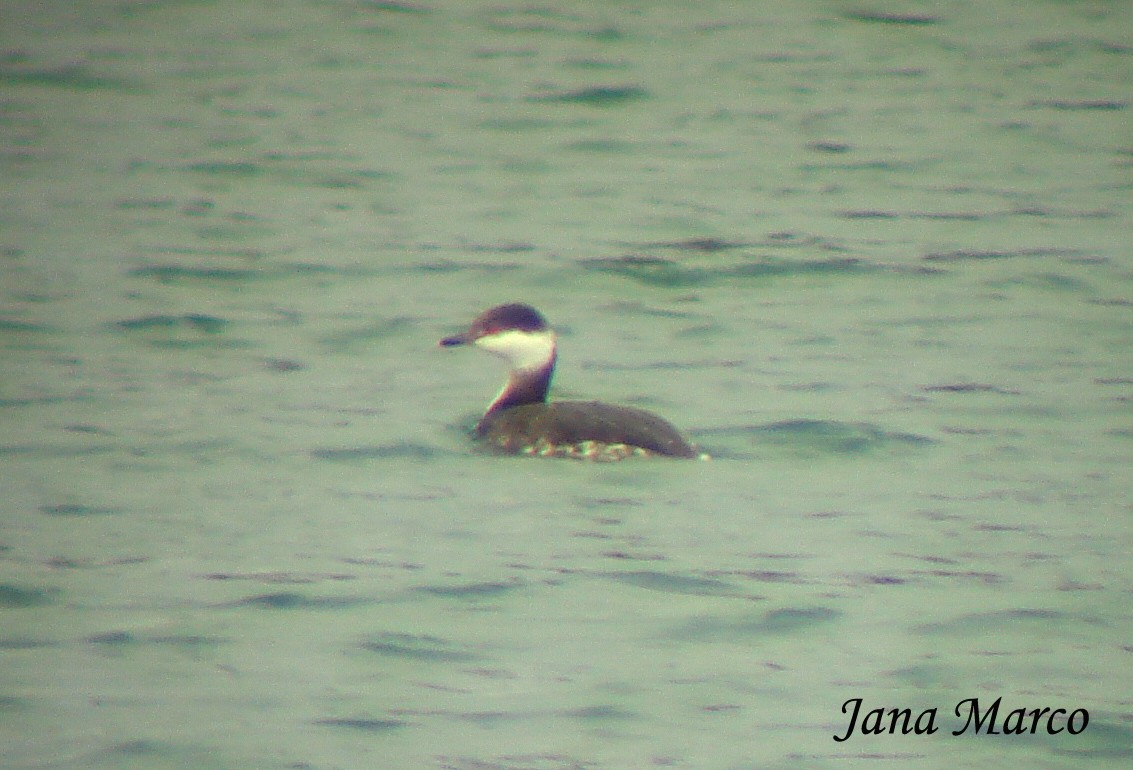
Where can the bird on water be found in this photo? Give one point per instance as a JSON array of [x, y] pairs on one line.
[[521, 421]]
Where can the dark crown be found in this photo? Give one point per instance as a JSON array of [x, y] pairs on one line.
[[516, 315]]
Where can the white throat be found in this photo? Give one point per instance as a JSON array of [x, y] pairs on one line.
[[524, 351]]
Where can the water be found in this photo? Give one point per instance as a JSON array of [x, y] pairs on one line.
[[876, 261]]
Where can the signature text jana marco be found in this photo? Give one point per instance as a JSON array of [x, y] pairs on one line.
[[1020, 721]]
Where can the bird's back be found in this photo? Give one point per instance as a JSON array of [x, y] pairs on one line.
[[582, 429]]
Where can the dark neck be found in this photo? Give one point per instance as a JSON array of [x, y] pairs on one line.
[[525, 386]]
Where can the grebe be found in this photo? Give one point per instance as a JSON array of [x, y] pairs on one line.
[[521, 421]]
